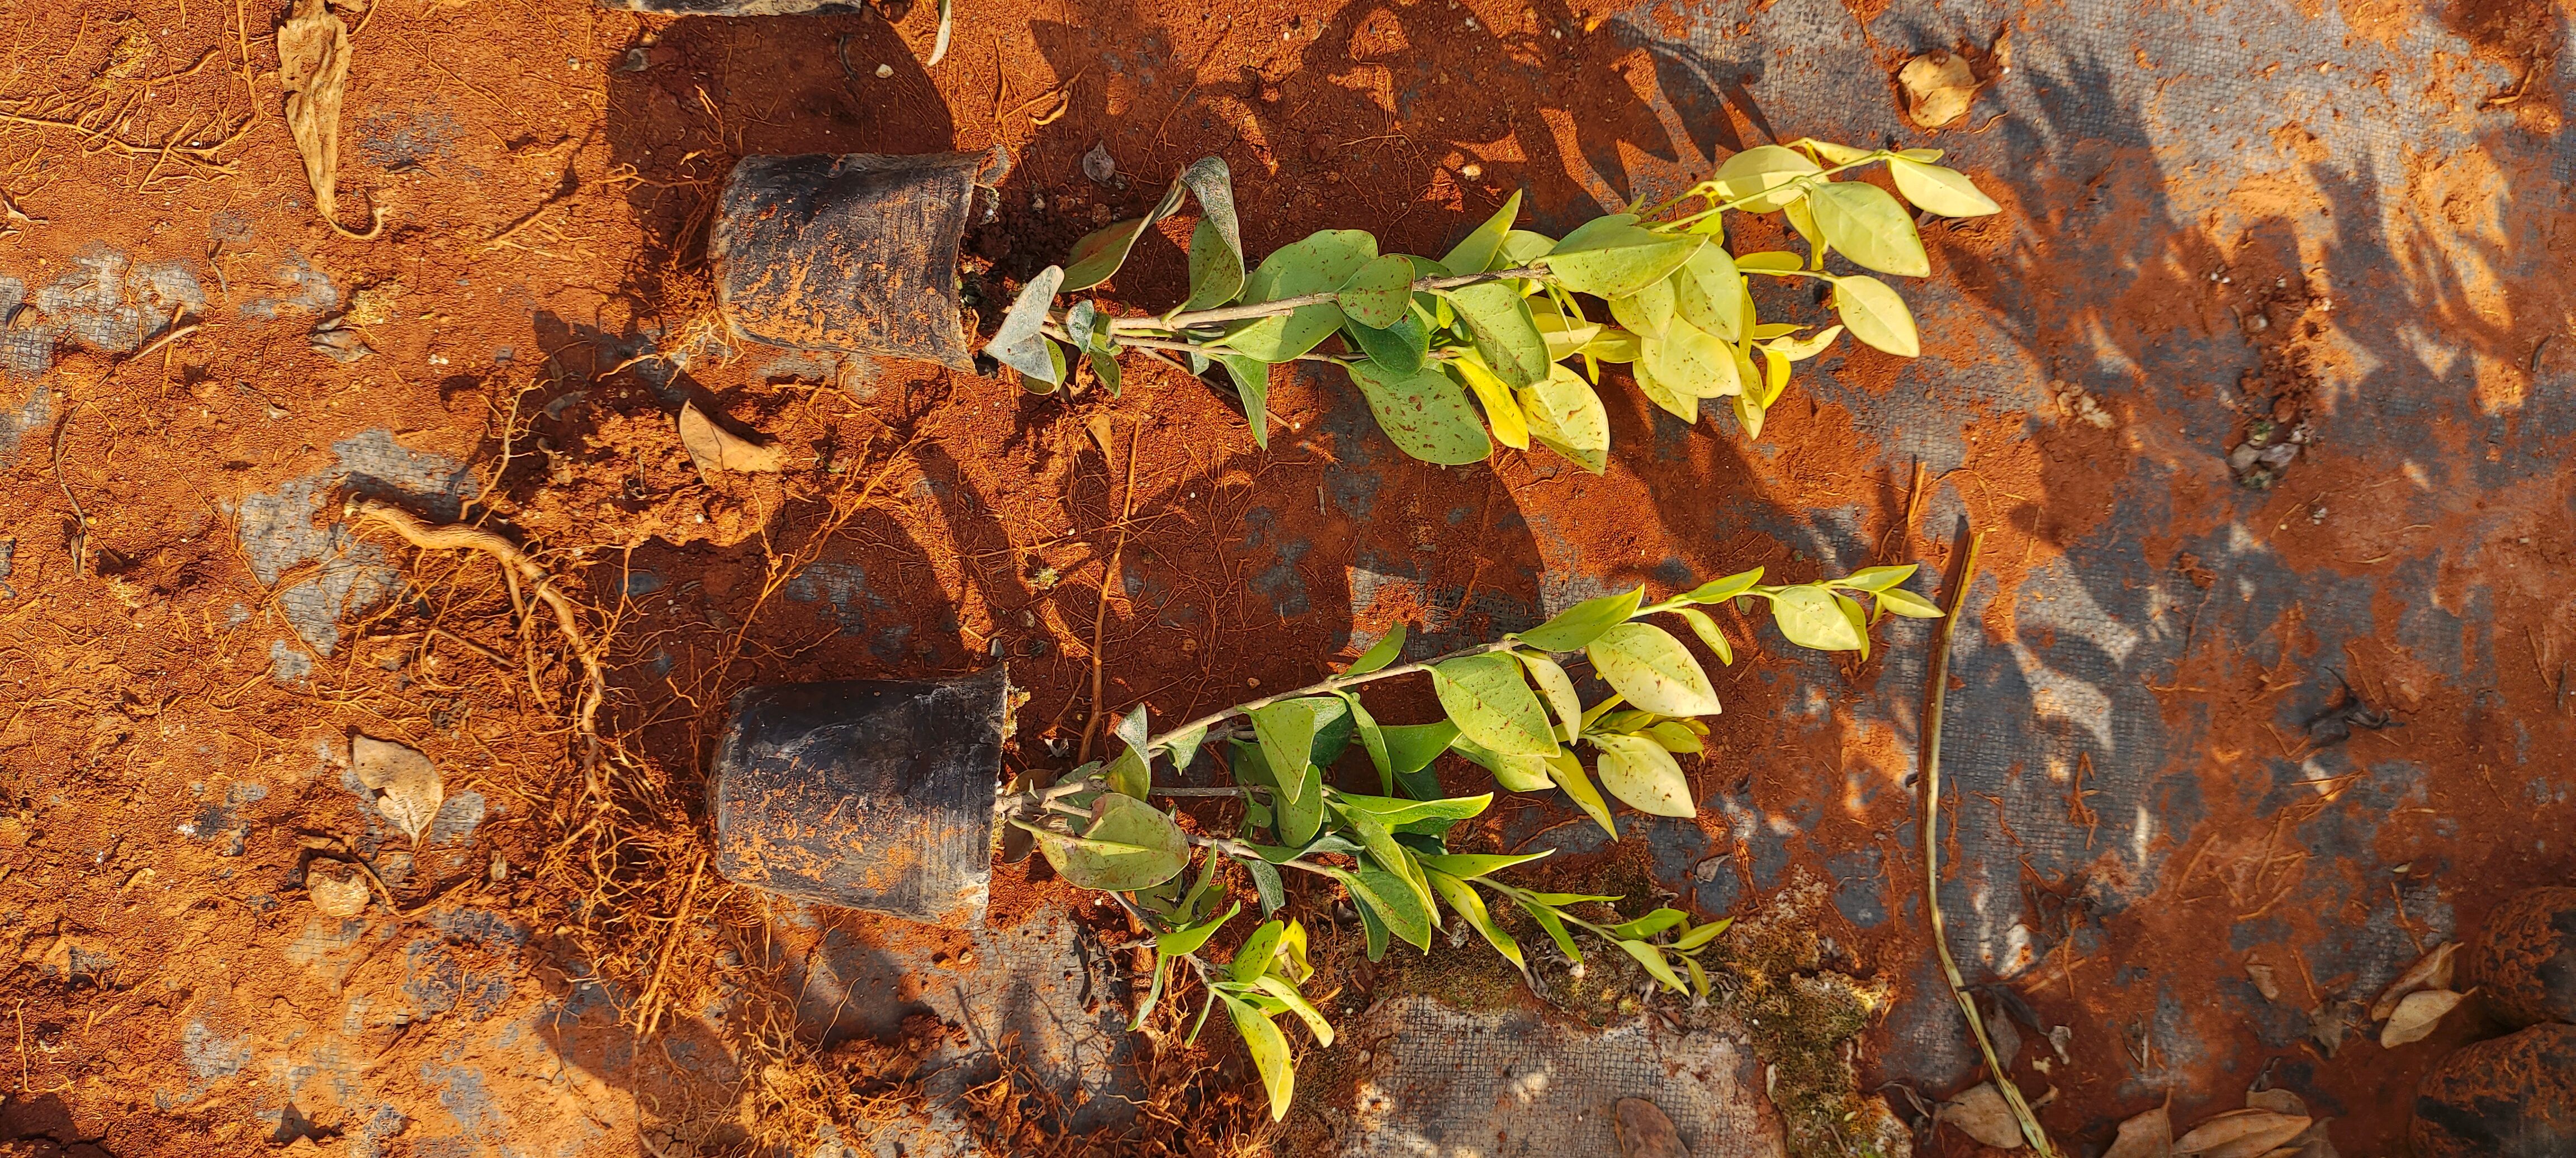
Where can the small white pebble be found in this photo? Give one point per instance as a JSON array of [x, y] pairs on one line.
[[884, 71], [1471, 170], [1471, 24]]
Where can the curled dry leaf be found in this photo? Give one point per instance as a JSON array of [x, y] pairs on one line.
[[337, 891], [2149, 1135], [2416, 1016], [313, 69], [2241, 1134], [2277, 1100], [2263, 980], [713, 447], [2433, 972], [1938, 88], [1982, 1114], [408, 791]]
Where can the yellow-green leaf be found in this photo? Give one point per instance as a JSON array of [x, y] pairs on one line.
[[1653, 670], [1641, 772], [1463, 900], [1653, 959], [1800, 349], [1810, 618], [1558, 689], [1424, 413], [1475, 252], [1611, 345], [1128, 846], [1766, 176], [1379, 293], [1706, 629], [1568, 774], [1831, 153], [1505, 331], [1689, 360], [1486, 696], [1502, 411], [1876, 315], [1867, 224], [1679, 405], [1706, 292], [1565, 415], [1749, 413], [1610, 258], [1269, 1049], [1318, 263], [1647, 310], [1947, 192], [1564, 335], [1899, 601], [1297, 1004]]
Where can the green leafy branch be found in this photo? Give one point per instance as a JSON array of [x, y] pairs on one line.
[[1492, 342], [1510, 707]]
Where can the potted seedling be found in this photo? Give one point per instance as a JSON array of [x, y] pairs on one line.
[[1510, 706], [1502, 338]]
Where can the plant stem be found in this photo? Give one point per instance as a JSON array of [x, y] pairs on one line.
[[1936, 683], [1206, 791], [1159, 344], [1235, 313], [1241, 851], [1330, 684]]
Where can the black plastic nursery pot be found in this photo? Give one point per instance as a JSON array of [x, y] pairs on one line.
[[871, 794], [853, 253]]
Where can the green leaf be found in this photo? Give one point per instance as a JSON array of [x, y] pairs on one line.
[[1486, 697], [1653, 670], [1565, 415], [1385, 853], [1372, 739], [1768, 174], [1571, 898], [1319, 263], [1875, 579], [1703, 934], [1774, 261], [1520, 248], [1373, 930], [1402, 348], [1183, 942], [1876, 315], [1379, 293], [1870, 227], [1184, 747], [1269, 1049], [1162, 967], [1558, 689], [1748, 413], [1653, 959], [1832, 153], [1129, 846], [1582, 623], [1565, 334], [1018, 342], [1392, 899], [1201, 1023], [1253, 959], [1647, 310], [1216, 242], [1390, 811], [1698, 977], [1265, 881], [1101, 252], [1424, 413], [1810, 618], [1569, 776], [1555, 926], [1801, 215], [1291, 962], [1947, 192], [1650, 924], [1611, 261], [1899, 601], [1505, 332], [1467, 866], [1297, 1004], [1706, 628], [1410, 749], [1707, 290], [1641, 772], [1287, 733], [1689, 360], [1721, 590], [1302, 814], [1476, 252], [1463, 901], [1675, 737], [1379, 654], [1130, 774], [1517, 772], [1252, 385], [1612, 345]]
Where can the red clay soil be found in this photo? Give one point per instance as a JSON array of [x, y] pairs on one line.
[[544, 207]]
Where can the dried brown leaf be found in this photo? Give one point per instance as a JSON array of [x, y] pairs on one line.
[[1982, 1114], [2149, 1135], [2241, 1134], [408, 791], [2433, 972], [1938, 88], [340, 893], [313, 69], [713, 447], [2417, 1016], [2263, 981], [2277, 1100]]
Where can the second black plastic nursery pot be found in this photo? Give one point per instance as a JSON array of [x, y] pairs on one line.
[[854, 253], [871, 794]]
